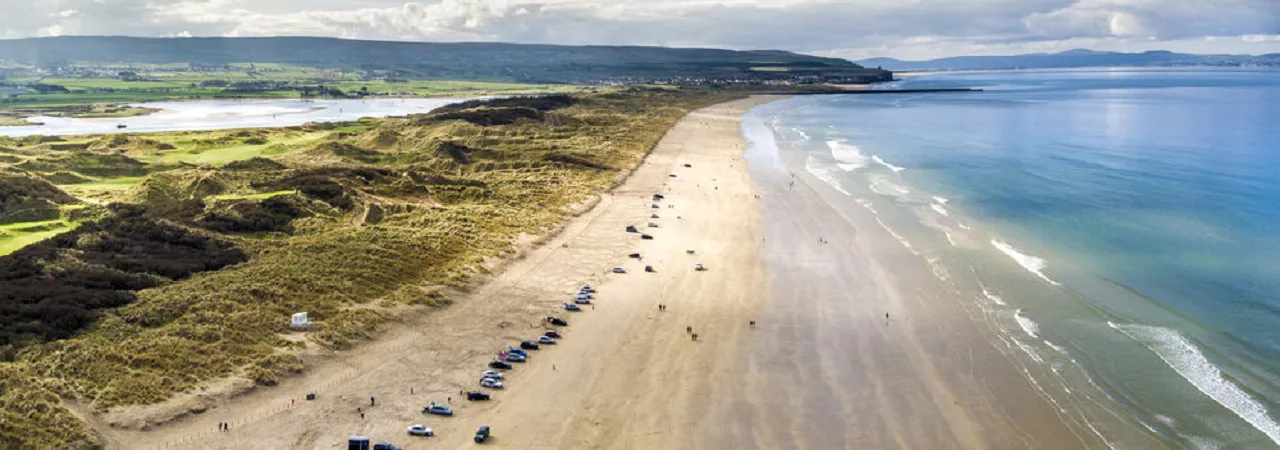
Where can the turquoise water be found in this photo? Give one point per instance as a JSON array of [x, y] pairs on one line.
[[1118, 229]]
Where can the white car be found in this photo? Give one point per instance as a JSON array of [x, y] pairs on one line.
[[491, 383], [492, 374], [582, 301], [698, 267], [588, 289], [421, 430], [572, 307]]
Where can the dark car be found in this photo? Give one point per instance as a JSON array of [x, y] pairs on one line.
[[482, 433], [634, 256], [516, 351], [646, 237], [658, 196], [385, 446], [529, 345], [552, 334], [477, 396], [557, 321], [495, 364]]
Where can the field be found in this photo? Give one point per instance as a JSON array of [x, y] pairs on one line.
[[212, 239]]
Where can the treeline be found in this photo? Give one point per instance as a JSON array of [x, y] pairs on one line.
[[53, 289]]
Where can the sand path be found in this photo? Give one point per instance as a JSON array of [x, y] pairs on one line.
[[822, 369]]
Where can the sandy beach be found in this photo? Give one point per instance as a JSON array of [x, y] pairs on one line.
[[824, 367]]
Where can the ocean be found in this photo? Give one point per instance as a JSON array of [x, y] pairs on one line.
[[1117, 229]]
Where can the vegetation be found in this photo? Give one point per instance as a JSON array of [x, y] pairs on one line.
[[414, 60], [193, 273]]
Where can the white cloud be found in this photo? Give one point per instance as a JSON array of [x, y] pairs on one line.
[[918, 28]]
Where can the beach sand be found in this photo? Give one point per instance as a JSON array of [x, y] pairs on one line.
[[822, 369]]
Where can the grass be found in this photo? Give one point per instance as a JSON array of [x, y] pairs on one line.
[[388, 212], [257, 196], [102, 190], [194, 152], [15, 236]]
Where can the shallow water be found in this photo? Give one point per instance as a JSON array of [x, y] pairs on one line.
[[228, 114], [1117, 228]]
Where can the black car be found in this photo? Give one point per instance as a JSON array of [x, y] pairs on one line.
[[646, 237], [552, 334], [529, 345], [476, 396], [557, 321], [482, 433], [385, 446], [495, 364]]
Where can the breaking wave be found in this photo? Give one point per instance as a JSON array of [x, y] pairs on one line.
[[1187, 360], [1031, 263], [825, 174], [892, 167], [1028, 325], [848, 156]]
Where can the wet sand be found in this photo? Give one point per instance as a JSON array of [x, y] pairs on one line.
[[822, 369]]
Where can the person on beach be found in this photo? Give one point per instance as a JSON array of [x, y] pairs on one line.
[[688, 329], [753, 324], [695, 337], [372, 401]]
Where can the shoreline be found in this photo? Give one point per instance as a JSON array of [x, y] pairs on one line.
[[627, 375]]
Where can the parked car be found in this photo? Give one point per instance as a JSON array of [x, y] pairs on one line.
[[491, 383], [653, 225], [698, 267], [587, 288], [385, 446], [495, 364], [492, 374], [588, 295], [482, 434], [552, 334], [572, 307], [514, 357], [437, 409], [476, 396], [557, 321], [529, 345], [655, 206], [546, 340], [634, 256], [653, 216], [632, 229], [421, 430], [619, 270], [582, 301], [649, 269], [658, 196], [516, 351], [646, 237]]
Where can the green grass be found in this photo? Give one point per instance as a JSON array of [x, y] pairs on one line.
[[215, 155], [258, 196], [101, 190], [15, 236]]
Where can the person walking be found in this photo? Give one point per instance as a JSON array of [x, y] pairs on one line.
[[372, 401]]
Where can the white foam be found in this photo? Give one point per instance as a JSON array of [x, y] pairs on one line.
[[962, 225], [950, 240], [867, 204], [801, 133], [940, 209], [892, 167], [941, 200], [1187, 360], [1031, 263], [825, 174], [1058, 348], [1029, 326], [993, 297], [848, 156], [901, 240], [882, 185], [1030, 351]]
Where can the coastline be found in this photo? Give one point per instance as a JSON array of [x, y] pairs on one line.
[[821, 370]]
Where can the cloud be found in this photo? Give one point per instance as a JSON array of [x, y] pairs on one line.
[[859, 27]]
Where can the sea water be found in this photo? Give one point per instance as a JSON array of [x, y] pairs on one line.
[[1118, 229], [227, 114]]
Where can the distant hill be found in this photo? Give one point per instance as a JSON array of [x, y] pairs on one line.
[[494, 61], [1075, 58]]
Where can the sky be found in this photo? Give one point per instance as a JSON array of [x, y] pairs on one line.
[[853, 29]]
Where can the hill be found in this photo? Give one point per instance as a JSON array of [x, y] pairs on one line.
[[458, 61], [1075, 58]]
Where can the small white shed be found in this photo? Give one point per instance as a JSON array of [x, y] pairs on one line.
[[299, 321]]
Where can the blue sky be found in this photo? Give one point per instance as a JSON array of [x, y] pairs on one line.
[[907, 29]]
